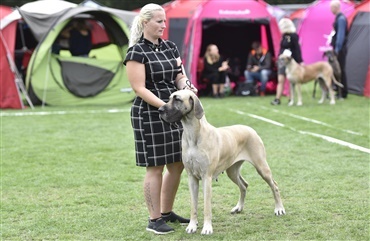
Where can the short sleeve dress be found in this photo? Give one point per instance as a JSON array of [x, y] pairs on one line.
[[157, 142]]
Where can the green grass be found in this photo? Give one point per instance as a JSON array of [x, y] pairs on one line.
[[72, 176]]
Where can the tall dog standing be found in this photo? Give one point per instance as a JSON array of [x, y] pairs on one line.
[[298, 75], [207, 151]]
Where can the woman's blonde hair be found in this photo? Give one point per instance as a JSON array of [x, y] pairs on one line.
[[286, 26], [137, 27], [211, 58], [335, 3]]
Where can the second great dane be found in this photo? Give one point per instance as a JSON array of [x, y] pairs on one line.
[[298, 75], [207, 151]]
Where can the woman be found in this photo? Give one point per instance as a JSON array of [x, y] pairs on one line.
[[290, 41], [154, 70], [215, 70]]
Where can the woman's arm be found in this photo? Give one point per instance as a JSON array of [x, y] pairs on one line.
[[136, 77], [182, 81], [297, 48]]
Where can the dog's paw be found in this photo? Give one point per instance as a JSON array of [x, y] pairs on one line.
[[332, 102], [299, 104], [236, 209], [279, 211], [291, 103], [192, 227], [207, 229]]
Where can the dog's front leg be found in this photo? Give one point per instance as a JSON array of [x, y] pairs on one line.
[[207, 189], [194, 190]]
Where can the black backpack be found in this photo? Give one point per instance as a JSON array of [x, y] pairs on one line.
[[245, 89]]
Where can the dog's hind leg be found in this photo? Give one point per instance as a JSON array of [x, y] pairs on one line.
[[331, 93], [314, 90], [323, 87], [292, 90], [264, 171], [299, 94], [233, 173]]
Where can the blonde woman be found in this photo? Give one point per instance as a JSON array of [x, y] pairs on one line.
[[154, 70], [215, 70], [290, 41]]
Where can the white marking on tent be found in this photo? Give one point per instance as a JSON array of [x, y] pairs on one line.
[[327, 138], [42, 113]]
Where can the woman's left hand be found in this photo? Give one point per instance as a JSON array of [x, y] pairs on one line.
[[192, 88]]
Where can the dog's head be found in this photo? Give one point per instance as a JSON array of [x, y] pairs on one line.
[[330, 54], [182, 104], [284, 59]]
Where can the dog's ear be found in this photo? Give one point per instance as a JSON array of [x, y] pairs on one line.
[[198, 108], [324, 54]]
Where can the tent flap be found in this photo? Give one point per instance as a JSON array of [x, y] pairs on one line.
[[85, 80]]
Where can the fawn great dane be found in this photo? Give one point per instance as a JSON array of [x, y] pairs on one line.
[[207, 151], [298, 75]]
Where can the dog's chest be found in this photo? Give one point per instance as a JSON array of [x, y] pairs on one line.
[[292, 77], [195, 167], [195, 164]]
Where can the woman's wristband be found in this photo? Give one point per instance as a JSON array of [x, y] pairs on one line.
[[184, 79]]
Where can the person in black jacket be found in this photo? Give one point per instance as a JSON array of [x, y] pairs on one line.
[[290, 41], [338, 41], [258, 66]]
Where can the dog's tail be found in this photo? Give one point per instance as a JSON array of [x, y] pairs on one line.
[[336, 82], [314, 90]]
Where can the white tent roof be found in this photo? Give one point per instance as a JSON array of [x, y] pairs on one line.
[[46, 7]]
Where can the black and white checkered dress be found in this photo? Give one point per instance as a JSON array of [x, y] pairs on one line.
[[156, 141]]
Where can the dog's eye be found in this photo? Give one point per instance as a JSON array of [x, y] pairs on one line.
[[177, 98]]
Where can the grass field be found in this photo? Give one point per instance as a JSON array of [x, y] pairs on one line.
[[68, 173]]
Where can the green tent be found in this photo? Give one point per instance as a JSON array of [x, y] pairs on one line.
[[62, 79]]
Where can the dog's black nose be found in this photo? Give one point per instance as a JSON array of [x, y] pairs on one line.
[[161, 110]]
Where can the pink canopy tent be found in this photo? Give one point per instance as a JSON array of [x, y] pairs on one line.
[[231, 25], [316, 26]]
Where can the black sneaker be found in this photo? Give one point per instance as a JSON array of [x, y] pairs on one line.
[[159, 227], [173, 217], [275, 102]]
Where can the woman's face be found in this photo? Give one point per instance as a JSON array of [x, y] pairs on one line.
[[153, 29], [213, 50]]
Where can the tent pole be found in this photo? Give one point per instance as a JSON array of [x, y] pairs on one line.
[[46, 79], [18, 78]]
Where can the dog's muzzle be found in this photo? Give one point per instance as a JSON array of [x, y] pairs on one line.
[[169, 115]]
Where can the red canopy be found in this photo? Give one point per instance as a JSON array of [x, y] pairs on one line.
[[9, 95]]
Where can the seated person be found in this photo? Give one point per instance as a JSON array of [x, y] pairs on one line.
[[79, 38], [258, 66], [215, 68]]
